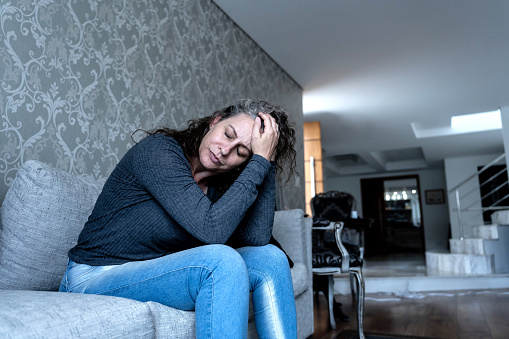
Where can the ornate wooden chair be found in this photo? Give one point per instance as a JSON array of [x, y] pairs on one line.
[[331, 212]]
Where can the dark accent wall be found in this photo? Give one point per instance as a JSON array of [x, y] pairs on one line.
[[78, 77]]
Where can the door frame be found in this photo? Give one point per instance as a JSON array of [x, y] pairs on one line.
[[373, 207]]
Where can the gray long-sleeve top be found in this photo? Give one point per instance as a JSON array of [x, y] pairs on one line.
[[151, 206]]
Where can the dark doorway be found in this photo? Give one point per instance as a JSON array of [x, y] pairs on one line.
[[395, 207]]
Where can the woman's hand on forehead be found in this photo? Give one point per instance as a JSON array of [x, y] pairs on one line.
[[265, 136]]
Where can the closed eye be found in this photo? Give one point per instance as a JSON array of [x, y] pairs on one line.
[[242, 154]]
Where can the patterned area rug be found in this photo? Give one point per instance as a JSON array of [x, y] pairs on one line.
[[350, 334]]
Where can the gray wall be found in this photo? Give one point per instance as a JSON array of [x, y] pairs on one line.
[[78, 77], [435, 218]]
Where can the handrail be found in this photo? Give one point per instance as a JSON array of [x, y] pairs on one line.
[[493, 191], [501, 199], [494, 176], [477, 173], [493, 206], [475, 189]]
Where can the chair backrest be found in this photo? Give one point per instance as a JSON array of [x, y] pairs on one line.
[[333, 205]]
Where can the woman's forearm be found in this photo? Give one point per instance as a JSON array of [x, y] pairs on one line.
[[256, 227]]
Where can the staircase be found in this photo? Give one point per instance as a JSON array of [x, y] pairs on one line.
[[487, 251]]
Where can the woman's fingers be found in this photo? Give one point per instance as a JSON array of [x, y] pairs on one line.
[[269, 122], [264, 142]]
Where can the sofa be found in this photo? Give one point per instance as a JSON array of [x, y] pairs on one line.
[[41, 217]]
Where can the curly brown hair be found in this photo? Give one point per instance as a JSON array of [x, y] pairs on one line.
[[191, 137]]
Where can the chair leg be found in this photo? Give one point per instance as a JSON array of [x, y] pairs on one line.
[[330, 297], [357, 273], [353, 289], [325, 284]]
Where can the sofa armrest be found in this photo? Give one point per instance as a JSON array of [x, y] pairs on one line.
[[293, 231]]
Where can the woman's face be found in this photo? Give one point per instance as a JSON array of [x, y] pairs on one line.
[[227, 144]]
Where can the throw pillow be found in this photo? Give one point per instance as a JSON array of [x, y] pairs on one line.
[[42, 215]]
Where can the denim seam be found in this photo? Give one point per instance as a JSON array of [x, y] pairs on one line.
[[271, 302], [211, 304], [212, 296], [66, 283]]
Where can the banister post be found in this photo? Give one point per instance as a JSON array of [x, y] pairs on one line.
[[460, 222]]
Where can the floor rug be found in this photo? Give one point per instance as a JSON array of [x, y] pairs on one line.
[[350, 334]]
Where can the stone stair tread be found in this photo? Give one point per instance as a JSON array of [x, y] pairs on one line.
[[500, 217], [471, 239], [467, 246], [464, 254], [440, 262], [486, 231], [492, 240]]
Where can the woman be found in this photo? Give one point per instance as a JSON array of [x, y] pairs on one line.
[[185, 219]]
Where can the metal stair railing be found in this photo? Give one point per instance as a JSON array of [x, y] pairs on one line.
[[493, 207]]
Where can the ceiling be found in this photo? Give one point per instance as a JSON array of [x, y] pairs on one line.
[[372, 68]]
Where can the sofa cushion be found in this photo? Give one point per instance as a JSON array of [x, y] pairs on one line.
[[36, 314], [172, 323], [42, 215]]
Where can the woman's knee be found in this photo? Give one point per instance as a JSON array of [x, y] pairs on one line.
[[223, 254], [272, 254], [225, 262], [268, 259]]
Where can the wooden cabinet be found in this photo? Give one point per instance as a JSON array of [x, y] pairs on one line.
[[312, 148]]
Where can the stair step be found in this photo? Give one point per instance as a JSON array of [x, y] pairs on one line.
[[406, 286], [486, 231], [500, 217], [467, 246], [451, 264]]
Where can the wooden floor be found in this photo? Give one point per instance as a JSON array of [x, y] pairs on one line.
[[448, 315]]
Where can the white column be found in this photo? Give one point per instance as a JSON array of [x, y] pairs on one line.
[[504, 113]]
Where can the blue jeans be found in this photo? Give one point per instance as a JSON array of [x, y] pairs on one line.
[[213, 280]]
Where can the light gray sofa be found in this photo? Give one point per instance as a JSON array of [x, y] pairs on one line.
[[41, 217]]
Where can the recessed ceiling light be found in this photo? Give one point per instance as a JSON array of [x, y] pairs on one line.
[[459, 124], [476, 122]]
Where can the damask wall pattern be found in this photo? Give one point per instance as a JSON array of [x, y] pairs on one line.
[[77, 77]]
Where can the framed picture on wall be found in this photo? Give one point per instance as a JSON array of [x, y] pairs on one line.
[[434, 196]]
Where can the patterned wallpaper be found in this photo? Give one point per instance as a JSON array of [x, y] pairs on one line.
[[78, 77]]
